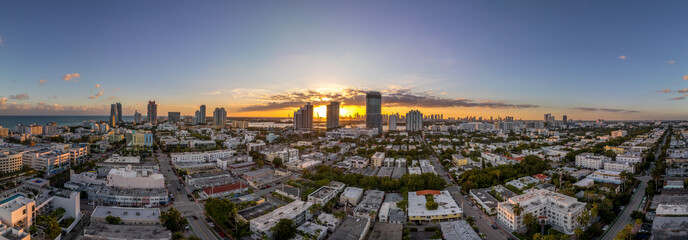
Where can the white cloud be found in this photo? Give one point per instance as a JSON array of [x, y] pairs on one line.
[[42, 82], [21, 96], [70, 76], [622, 57], [97, 94]]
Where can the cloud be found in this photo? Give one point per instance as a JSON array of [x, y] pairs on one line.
[[50, 109], [42, 82], [53, 97], [115, 90], [21, 96], [70, 76], [670, 61], [97, 85], [685, 90], [356, 97], [622, 57], [112, 98], [664, 91], [676, 98], [685, 77], [611, 110], [97, 94], [3, 101]]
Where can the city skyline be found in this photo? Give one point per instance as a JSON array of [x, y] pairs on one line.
[[504, 58]]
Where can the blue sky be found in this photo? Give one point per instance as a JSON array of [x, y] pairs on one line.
[[563, 57]]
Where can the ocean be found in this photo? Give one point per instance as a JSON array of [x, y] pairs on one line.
[[12, 121]]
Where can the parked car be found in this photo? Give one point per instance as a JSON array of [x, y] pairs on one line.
[[494, 226]]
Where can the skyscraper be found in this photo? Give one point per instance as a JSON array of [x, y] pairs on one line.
[[564, 119], [374, 111], [303, 118], [200, 115], [119, 112], [113, 115], [152, 112], [138, 118], [174, 117], [547, 117], [333, 115], [414, 121], [219, 117], [393, 122]]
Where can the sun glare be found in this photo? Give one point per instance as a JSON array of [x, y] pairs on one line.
[[322, 111]]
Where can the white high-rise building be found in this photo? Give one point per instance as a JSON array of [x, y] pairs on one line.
[[414, 121], [219, 117], [333, 115], [393, 122]]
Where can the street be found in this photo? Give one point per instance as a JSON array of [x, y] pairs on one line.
[[187, 207]]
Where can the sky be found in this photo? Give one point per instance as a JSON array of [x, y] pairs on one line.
[[614, 60]]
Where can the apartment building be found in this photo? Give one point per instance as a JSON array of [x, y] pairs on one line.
[[558, 210]]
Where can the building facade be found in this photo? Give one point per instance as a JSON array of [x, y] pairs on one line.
[[374, 111]]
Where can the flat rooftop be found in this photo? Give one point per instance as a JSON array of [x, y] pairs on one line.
[[269, 220], [352, 228], [126, 213], [459, 230], [108, 231], [387, 231], [446, 205]]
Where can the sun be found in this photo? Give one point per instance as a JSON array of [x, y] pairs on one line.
[[322, 111]]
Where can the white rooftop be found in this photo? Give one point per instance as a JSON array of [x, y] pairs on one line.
[[447, 205]]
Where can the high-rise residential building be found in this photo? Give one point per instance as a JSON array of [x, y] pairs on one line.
[[219, 117], [119, 112], [564, 119], [374, 111], [174, 117], [138, 117], [200, 115], [303, 118], [113, 115], [414, 121], [393, 122], [547, 115], [152, 112], [333, 115]]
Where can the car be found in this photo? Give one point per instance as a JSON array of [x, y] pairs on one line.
[[494, 226], [194, 217], [605, 228], [475, 208]]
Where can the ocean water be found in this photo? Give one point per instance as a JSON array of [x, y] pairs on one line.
[[12, 121]]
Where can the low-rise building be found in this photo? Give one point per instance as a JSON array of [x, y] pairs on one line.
[[296, 211], [128, 216], [351, 195], [386, 231], [591, 161], [129, 178], [371, 202], [447, 208], [619, 167], [606, 176], [459, 230], [558, 210], [352, 228], [326, 193]]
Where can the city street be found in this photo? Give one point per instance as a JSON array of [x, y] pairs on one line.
[[187, 207]]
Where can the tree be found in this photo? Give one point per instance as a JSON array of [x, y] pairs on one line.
[[113, 220], [340, 214], [173, 220], [578, 231], [530, 221], [517, 209], [638, 215], [285, 229], [277, 162]]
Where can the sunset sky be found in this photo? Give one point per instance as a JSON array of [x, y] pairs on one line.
[[586, 59]]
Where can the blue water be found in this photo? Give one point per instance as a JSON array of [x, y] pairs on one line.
[[10, 198], [12, 121]]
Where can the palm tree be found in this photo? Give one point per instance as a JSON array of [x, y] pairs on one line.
[[517, 209], [578, 232]]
